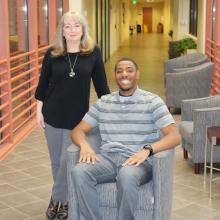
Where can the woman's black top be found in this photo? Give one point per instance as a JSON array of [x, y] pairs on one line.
[[66, 99]]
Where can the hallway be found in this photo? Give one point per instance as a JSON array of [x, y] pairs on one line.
[[25, 176], [149, 51]]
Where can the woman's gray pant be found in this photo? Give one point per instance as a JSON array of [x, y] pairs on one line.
[[58, 140]]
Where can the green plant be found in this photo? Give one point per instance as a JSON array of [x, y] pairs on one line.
[[184, 44]]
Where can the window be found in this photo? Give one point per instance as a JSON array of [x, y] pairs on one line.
[[193, 17], [18, 31], [59, 10], [43, 29]]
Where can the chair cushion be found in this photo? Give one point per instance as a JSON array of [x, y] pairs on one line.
[[198, 62], [108, 195], [186, 131]]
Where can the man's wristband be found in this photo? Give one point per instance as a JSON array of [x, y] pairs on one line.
[[149, 147]]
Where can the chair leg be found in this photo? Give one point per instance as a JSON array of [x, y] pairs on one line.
[[185, 154], [197, 168]]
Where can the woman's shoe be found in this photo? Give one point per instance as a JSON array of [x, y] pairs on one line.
[[52, 209], [62, 213]]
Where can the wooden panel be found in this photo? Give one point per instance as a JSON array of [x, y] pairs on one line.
[[213, 42], [19, 75]]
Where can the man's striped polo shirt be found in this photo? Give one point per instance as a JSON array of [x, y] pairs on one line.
[[126, 126]]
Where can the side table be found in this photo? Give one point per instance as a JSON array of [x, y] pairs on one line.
[[213, 134]]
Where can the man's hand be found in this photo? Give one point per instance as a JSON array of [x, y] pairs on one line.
[[87, 154], [137, 158]]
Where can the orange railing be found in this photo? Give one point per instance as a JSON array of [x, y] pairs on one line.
[[18, 81], [213, 51]]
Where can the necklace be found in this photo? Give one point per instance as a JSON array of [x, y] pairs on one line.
[[72, 73]]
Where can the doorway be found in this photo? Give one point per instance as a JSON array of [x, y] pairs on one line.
[[147, 20]]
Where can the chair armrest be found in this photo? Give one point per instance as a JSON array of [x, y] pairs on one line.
[[188, 105], [73, 154], [162, 164]]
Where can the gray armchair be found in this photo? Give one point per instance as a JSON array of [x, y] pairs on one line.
[[186, 61], [155, 197], [197, 114], [187, 84]]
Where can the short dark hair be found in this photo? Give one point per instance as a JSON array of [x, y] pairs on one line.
[[126, 59]]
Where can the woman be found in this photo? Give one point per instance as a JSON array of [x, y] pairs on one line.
[[63, 97]]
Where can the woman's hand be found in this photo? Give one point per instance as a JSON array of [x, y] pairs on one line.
[[137, 158], [40, 117], [40, 120], [87, 154]]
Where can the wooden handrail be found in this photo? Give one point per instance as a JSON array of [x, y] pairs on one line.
[[44, 48], [4, 61], [22, 55], [22, 123], [32, 88], [4, 127], [3, 84], [22, 65], [23, 103], [2, 106], [24, 112], [15, 78], [4, 116], [5, 138], [24, 83], [4, 94], [3, 72]]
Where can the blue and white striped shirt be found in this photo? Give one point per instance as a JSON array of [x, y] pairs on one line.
[[126, 126]]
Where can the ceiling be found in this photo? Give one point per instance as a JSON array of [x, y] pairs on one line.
[[149, 1]]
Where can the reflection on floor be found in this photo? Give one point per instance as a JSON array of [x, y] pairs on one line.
[[25, 177]]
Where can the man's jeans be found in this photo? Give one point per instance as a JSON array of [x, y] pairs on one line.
[[109, 169]]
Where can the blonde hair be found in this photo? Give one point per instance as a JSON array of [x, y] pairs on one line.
[[86, 44]]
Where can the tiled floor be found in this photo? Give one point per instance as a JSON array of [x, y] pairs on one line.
[[25, 177]]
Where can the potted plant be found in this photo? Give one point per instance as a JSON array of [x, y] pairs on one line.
[[172, 51], [185, 44]]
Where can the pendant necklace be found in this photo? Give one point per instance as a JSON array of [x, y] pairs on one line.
[[72, 73]]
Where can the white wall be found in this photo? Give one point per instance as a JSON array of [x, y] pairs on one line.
[[124, 20], [201, 26], [166, 17], [88, 10], [180, 18], [119, 30], [114, 26], [75, 5]]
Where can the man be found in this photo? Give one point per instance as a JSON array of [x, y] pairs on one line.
[[134, 124]]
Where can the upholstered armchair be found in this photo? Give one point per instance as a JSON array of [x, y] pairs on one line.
[[197, 115], [194, 82], [186, 61], [155, 197]]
